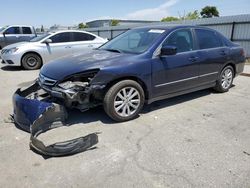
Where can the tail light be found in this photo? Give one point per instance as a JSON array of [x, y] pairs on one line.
[[242, 52]]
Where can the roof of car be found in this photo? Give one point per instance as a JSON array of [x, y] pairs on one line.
[[70, 30], [62, 31], [167, 27]]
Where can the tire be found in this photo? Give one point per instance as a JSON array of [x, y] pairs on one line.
[[31, 61], [125, 108], [225, 80]]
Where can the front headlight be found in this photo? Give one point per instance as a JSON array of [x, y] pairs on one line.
[[78, 82], [11, 50], [73, 85]]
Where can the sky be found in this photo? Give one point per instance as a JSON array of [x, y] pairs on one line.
[[73, 12]]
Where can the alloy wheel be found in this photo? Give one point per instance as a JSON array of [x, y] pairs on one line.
[[127, 101], [227, 78], [31, 61]]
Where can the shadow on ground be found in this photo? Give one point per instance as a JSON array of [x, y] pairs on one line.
[[98, 114], [12, 68]]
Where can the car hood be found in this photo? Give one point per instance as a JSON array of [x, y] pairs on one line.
[[93, 59], [16, 45]]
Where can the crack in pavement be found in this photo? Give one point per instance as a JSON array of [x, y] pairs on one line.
[[154, 172], [135, 157]]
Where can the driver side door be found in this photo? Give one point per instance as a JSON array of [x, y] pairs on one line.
[[60, 46], [12, 35], [176, 73]]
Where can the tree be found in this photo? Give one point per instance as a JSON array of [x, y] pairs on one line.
[[114, 22], [82, 26], [192, 15], [169, 19], [209, 11]]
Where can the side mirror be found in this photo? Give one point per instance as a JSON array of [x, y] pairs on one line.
[[4, 33], [47, 41], [168, 50]]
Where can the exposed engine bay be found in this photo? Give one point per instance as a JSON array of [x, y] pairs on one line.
[[74, 92]]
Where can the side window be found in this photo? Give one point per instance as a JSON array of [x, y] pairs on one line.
[[13, 30], [77, 36], [182, 39], [208, 39], [61, 37], [26, 30]]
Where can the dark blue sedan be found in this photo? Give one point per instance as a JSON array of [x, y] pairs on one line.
[[141, 66]]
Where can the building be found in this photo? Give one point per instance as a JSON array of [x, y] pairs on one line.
[[60, 27], [107, 23]]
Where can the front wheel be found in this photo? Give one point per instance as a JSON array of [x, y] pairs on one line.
[[124, 100], [225, 80], [31, 61]]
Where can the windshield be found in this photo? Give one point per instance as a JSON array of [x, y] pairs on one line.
[[41, 37], [3, 28], [133, 41]]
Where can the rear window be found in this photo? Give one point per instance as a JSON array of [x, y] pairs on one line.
[[208, 39], [77, 36], [26, 30]]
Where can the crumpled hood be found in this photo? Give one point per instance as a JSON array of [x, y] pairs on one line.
[[93, 59]]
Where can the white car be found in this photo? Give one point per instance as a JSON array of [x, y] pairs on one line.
[[53, 45]]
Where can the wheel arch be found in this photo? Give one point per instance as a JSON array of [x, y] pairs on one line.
[[30, 52], [232, 65], [134, 78]]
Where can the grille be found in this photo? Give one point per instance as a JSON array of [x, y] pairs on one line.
[[46, 81]]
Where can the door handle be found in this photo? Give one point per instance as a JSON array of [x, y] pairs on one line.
[[90, 45], [67, 46], [193, 59], [223, 52]]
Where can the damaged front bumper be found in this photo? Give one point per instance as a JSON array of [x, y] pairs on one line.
[[84, 99], [36, 112]]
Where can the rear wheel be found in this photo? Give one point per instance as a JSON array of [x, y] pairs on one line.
[[225, 80], [124, 100], [31, 61]]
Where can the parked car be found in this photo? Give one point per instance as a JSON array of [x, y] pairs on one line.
[[16, 33], [42, 49], [144, 65]]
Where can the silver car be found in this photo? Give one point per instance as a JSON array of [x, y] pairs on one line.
[[32, 55]]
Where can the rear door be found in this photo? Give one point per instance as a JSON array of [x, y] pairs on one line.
[[213, 54], [83, 41], [26, 34], [175, 73]]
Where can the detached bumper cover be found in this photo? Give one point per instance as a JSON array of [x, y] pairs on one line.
[[36, 116], [26, 111]]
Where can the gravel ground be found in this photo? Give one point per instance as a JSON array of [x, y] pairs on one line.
[[196, 140]]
